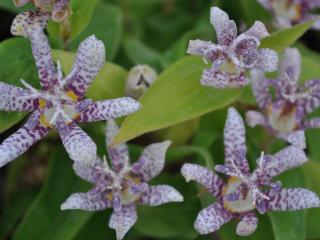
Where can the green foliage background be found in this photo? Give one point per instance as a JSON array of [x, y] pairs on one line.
[[176, 107]]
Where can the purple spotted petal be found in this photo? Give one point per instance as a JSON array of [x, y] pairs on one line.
[[60, 10], [109, 109], [219, 79], [296, 138], [86, 172], [119, 155], [20, 3], [267, 60], [254, 118], [260, 87], [293, 199], [116, 200], [15, 99], [235, 141], [152, 160], [258, 30], [212, 218], [89, 60], [94, 200], [285, 159], [30, 25], [77, 143], [160, 194], [122, 221], [226, 29], [289, 67], [198, 47], [247, 225], [312, 123], [202, 175], [22, 140]]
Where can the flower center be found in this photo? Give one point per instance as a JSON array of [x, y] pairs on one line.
[[58, 106], [229, 67], [287, 9], [245, 202], [283, 119]]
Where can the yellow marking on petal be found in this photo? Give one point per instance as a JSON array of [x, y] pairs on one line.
[[71, 94], [109, 196], [42, 103], [43, 121]]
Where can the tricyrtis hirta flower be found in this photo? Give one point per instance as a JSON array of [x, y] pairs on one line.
[[284, 113], [290, 12], [139, 80], [233, 56], [245, 191], [59, 9], [61, 103], [123, 186]]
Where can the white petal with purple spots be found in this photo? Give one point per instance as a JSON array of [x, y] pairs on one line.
[[122, 221], [119, 154], [247, 225], [90, 201], [22, 140], [109, 109], [78, 144], [157, 195], [226, 29], [152, 160], [235, 141], [89, 60], [293, 199], [212, 218], [213, 183]]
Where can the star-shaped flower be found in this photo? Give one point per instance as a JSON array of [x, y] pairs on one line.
[[59, 9], [233, 56], [122, 186], [284, 114], [291, 12], [61, 103], [245, 191]]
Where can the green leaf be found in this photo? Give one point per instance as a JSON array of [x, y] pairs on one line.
[[16, 62], [108, 29], [110, 82], [290, 225], [312, 170], [139, 53], [175, 97], [285, 38], [177, 50], [171, 220], [44, 219]]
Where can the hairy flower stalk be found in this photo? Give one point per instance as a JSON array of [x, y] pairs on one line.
[[61, 103], [245, 191], [285, 113], [122, 186], [59, 9], [290, 12], [233, 56]]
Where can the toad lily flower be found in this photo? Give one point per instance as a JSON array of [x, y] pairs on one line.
[[61, 103], [233, 56], [245, 191], [59, 9], [123, 186], [284, 114], [290, 12]]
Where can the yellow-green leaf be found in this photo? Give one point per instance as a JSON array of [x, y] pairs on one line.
[[177, 96]]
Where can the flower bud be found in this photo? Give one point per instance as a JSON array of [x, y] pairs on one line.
[[139, 79]]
